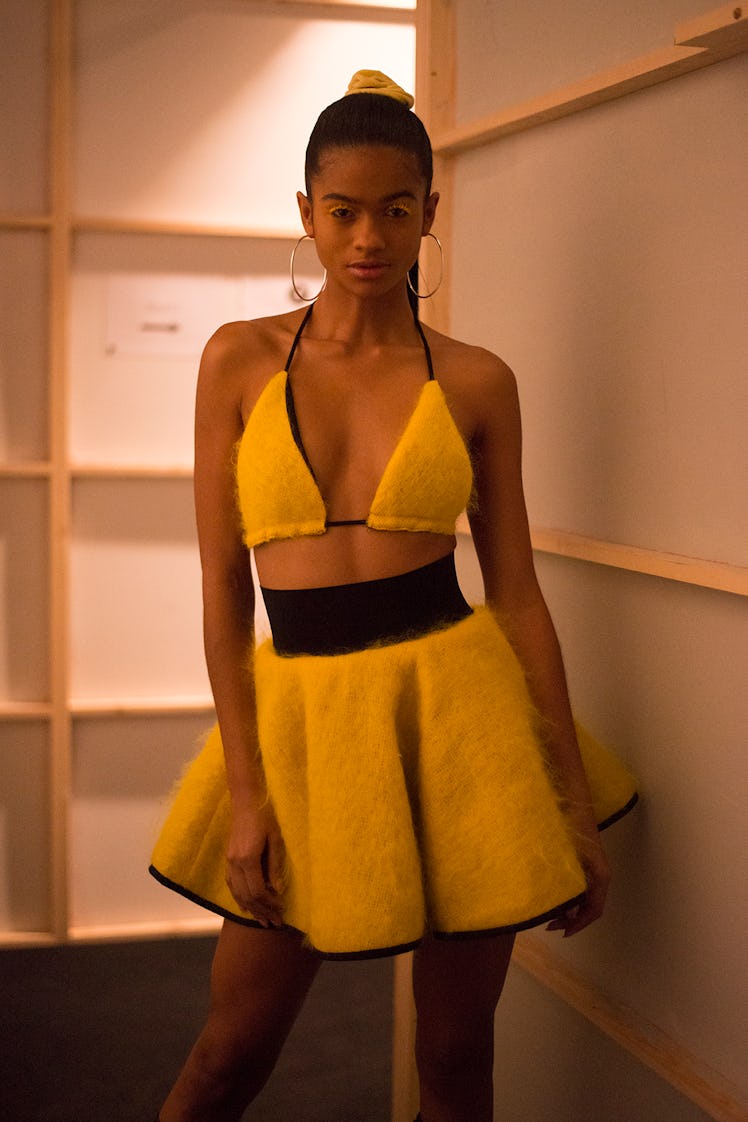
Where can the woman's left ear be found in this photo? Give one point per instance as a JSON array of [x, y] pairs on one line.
[[305, 210], [429, 212]]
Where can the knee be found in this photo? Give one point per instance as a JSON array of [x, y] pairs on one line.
[[229, 1056], [448, 1054]]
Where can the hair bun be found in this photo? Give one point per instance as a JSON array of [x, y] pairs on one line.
[[375, 82]]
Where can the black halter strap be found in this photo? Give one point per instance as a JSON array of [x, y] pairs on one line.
[[293, 419], [308, 316], [297, 337], [426, 347]]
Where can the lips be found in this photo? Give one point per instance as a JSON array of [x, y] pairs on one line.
[[368, 270]]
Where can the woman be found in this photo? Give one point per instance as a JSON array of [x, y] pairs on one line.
[[386, 776]]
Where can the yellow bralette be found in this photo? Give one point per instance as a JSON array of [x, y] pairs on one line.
[[425, 486]]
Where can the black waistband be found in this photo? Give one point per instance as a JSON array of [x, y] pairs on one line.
[[350, 617]]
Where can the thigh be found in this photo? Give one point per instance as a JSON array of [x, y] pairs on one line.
[[259, 980], [457, 983]]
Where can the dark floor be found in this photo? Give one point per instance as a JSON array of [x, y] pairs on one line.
[[96, 1033]]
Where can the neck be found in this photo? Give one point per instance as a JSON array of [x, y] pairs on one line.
[[381, 320]]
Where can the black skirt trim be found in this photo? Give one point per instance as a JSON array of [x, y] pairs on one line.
[[377, 952], [512, 928], [245, 921], [194, 898], [618, 814]]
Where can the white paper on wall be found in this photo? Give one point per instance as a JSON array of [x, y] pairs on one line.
[[165, 315]]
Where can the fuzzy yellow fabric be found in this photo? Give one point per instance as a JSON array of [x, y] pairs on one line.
[[374, 81], [427, 483], [277, 494], [410, 789], [425, 486]]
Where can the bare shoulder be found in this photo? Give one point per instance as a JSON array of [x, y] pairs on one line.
[[241, 357], [479, 386]]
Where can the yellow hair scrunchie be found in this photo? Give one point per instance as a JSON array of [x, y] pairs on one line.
[[375, 82]]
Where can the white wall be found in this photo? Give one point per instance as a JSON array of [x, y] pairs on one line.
[[200, 111], [607, 265], [518, 50]]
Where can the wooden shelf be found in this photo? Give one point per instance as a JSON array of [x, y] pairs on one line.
[[109, 707], [25, 221], [720, 34], [25, 469], [652, 562], [395, 12], [25, 710], [131, 471], [107, 225], [10, 939], [140, 706], [124, 932]]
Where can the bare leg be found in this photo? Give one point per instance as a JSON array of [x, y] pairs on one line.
[[457, 984], [258, 984]]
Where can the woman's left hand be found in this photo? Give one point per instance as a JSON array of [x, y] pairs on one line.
[[597, 872]]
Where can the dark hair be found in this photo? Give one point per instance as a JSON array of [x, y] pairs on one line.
[[368, 118]]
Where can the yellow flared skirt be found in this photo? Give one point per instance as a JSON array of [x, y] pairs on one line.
[[411, 790]]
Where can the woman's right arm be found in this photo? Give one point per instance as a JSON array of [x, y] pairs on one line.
[[255, 849]]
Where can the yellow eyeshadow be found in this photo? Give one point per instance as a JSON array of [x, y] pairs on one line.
[[338, 209]]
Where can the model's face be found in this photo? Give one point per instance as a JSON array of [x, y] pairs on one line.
[[367, 213]]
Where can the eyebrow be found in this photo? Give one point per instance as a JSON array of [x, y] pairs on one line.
[[386, 199]]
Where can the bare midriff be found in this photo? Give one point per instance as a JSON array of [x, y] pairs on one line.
[[346, 555]]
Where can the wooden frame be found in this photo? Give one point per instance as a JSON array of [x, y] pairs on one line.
[[374, 8], [60, 111], [717, 35], [648, 1044], [59, 472]]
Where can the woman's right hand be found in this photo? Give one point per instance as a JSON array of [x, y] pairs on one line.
[[254, 863]]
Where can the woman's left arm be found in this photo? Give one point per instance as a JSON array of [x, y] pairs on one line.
[[502, 541]]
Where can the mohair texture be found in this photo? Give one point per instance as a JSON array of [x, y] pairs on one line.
[[411, 791], [277, 494], [375, 82], [425, 486]]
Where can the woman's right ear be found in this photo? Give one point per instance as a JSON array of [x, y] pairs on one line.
[[305, 210]]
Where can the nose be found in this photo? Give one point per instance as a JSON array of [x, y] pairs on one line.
[[369, 236]]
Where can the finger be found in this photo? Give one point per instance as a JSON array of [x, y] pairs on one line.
[[275, 861], [575, 919], [252, 895], [239, 889], [590, 911], [562, 920], [263, 896], [261, 908]]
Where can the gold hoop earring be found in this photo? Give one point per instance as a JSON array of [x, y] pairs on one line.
[[426, 295], [305, 299]]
